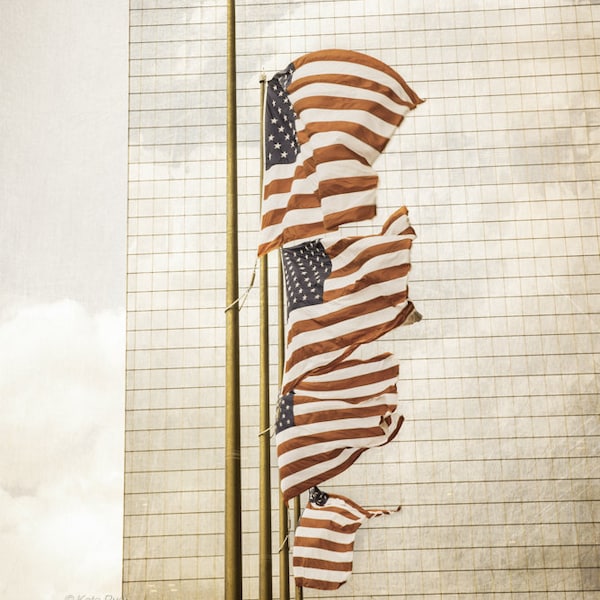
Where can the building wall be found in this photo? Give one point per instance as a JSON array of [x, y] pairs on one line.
[[496, 466]]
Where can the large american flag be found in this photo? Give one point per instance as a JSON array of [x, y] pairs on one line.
[[331, 418], [324, 540], [328, 116], [343, 292]]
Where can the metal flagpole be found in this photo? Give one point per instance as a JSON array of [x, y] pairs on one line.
[[284, 547], [233, 508], [265, 582], [297, 510]]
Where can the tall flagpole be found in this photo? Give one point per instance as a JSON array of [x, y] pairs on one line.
[[298, 593], [265, 581], [284, 548], [233, 504]]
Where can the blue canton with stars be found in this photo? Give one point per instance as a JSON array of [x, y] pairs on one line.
[[281, 142], [285, 412], [306, 268]]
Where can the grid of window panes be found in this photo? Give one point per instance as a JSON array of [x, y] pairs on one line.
[[496, 466]]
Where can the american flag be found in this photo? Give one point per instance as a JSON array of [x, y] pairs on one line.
[[328, 116], [330, 419], [343, 292], [324, 540]]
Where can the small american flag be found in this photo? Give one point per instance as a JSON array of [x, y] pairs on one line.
[[343, 292], [331, 418], [328, 116], [324, 540]]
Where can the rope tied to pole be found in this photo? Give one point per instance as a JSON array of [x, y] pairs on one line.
[[241, 299]]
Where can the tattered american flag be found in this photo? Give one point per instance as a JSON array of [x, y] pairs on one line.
[[331, 418], [324, 540], [328, 116], [343, 292]]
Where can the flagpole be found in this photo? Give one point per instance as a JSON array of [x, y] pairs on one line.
[[265, 582], [298, 595], [233, 508], [284, 546]]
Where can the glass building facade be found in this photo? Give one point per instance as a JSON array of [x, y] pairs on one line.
[[497, 465]]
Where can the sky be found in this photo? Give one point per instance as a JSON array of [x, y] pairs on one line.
[[63, 158]]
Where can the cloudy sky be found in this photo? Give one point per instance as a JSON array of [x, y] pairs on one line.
[[63, 198]]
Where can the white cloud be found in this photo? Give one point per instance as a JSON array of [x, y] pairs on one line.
[[61, 469]]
